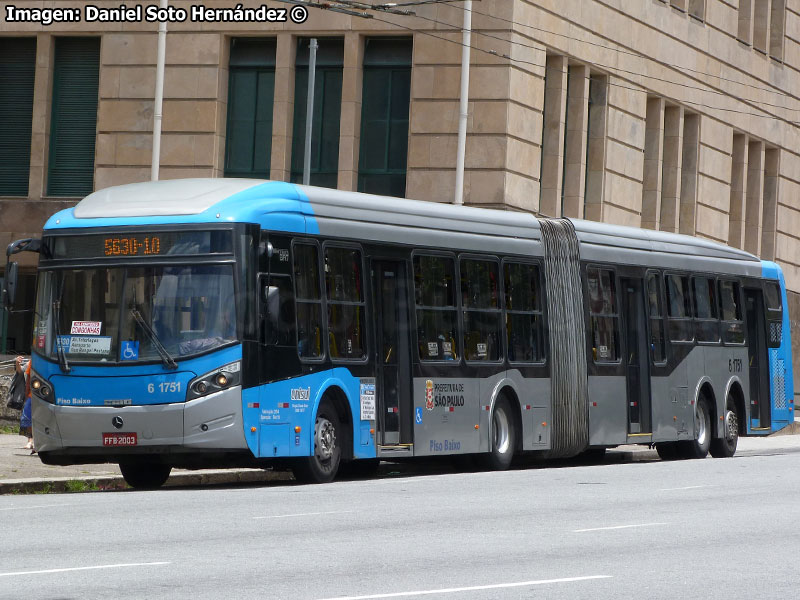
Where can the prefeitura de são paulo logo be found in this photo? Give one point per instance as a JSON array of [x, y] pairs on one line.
[[429, 394]]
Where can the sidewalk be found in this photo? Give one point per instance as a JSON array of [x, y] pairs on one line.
[[21, 472]]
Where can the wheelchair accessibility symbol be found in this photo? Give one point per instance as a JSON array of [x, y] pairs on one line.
[[129, 350], [418, 417]]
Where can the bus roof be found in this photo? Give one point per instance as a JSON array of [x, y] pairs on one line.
[[356, 215]]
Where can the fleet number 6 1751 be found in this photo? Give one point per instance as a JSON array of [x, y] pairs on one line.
[[164, 387]]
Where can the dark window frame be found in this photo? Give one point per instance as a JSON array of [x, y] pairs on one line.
[[615, 317], [539, 313], [498, 310], [726, 324], [327, 303], [689, 309], [713, 305], [456, 308], [661, 317], [320, 302]]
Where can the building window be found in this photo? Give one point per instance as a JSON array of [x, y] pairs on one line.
[[697, 9], [17, 70], [73, 123], [251, 88], [384, 116], [327, 112]]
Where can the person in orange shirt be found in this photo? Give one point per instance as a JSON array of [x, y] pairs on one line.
[[25, 424]]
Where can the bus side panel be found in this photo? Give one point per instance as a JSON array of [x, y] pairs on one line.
[[446, 411], [534, 400], [608, 413], [278, 409]]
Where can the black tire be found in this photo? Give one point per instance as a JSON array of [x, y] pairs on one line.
[[725, 446], [667, 450], [144, 475], [503, 439], [698, 447], [323, 465]]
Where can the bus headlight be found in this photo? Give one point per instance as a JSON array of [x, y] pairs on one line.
[[215, 381], [41, 388]]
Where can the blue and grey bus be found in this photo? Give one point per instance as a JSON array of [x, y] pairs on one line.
[[223, 322]]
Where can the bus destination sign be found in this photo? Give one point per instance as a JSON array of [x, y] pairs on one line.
[[140, 244]]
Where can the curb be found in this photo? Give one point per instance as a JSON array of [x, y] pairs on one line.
[[116, 482]]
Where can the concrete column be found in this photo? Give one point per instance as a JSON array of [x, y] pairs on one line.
[[671, 172], [745, 31], [576, 141], [738, 191], [689, 169], [596, 155], [350, 123], [283, 108], [770, 210], [761, 18], [653, 157], [755, 197], [40, 130], [555, 110]]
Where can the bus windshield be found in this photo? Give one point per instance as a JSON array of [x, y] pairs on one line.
[[123, 314]]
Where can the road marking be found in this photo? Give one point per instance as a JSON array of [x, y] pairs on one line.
[[617, 527], [473, 588], [34, 506], [311, 514], [65, 570], [688, 487]]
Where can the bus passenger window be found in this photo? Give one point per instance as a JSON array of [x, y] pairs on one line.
[[308, 300], [279, 305], [437, 319], [656, 314], [603, 315], [481, 304], [706, 325], [523, 313], [731, 313], [679, 311], [345, 299]]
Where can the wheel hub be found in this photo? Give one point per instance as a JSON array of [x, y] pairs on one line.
[[325, 439], [731, 425], [502, 437]]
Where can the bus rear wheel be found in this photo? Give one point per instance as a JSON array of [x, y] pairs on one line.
[[144, 475], [322, 466], [725, 446], [667, 450], [698, 447], [503, 440]]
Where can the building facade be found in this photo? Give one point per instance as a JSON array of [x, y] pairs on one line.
[[678, 115]]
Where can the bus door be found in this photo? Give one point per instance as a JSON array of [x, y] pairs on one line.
[[390, 287], [637, 357], [757, 358]]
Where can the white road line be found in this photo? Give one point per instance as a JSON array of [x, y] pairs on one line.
[[688, 487], [66, 570], [34, 506], [617, 527], [473, 588], [311, 514]]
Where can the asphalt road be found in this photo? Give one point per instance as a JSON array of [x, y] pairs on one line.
[[689, 529]]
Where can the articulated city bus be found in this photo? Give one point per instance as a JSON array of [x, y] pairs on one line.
[[209, 322]]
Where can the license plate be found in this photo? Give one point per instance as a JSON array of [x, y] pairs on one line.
[[119, 439]]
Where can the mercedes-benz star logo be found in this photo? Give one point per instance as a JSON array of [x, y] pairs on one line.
[[117, 422]]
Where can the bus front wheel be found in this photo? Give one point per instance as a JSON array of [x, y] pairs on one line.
[[322, 466], [503, 440], [144, 475], [725, 446]]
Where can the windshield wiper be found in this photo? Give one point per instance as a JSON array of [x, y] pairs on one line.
[[166, 359], [62, 356]]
